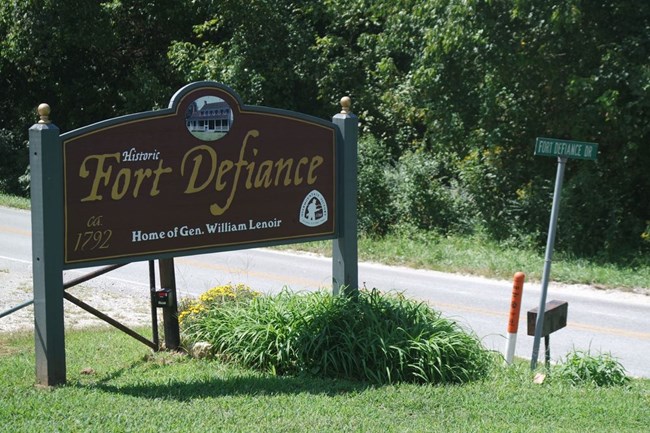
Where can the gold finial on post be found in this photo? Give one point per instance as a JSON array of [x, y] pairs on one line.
[[44, 113], [346, 103]]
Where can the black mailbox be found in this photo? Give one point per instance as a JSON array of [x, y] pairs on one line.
[[555, 314], [163, 297]]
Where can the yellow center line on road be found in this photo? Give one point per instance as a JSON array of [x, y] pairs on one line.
[[612, 331], [570, 325], [283, 278], [468, 309], [7, 229]]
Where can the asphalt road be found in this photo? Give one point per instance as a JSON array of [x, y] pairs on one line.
[[611, 322]]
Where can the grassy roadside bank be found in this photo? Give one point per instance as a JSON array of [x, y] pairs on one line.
[[478, 256], [474, 255], [116, 384], [14, 201]]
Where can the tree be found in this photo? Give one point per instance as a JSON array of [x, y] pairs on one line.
[[88, 60], [262, 50], [494, 75], [462, 86]]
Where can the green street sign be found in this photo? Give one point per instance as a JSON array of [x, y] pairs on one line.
[[566, 148]]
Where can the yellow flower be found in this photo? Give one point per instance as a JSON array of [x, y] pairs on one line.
[[216, 296]]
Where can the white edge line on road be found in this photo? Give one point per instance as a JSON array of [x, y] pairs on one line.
[[11, 259]]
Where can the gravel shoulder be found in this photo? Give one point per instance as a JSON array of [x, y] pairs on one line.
[[16, 288]]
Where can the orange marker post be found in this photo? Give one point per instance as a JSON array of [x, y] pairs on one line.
[[513, 320]]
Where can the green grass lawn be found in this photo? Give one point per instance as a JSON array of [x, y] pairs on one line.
[[117, 385]]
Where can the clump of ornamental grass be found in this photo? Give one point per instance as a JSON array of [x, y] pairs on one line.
[[585, 368], [190, 309], [375, 337]]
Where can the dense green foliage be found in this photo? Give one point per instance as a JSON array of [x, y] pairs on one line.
[[88, 60], [450, 93], [373, 337]]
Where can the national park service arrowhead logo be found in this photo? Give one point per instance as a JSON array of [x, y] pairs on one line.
[[313, 211]]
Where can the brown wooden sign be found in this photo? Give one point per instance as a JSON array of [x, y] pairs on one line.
[[206, 174]]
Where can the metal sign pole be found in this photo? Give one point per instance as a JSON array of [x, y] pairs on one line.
[[170, 312], [154, 308], [46, 162], [345, 272], [552, 228]]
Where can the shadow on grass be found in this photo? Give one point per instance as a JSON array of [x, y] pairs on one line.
[[240, 386]]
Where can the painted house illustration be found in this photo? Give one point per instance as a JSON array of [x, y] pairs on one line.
[[211, 117]]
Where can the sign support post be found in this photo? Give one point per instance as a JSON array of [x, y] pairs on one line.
[[562, 149], [170, 312], [548, 259], [345, 268], [46, 160]]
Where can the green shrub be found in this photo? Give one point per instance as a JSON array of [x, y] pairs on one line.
[[412, 191], [191, 311], [581, 367], [423, 197], [259, 334], [15, 159], [375, 212], [388, 338], [372, 337]]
